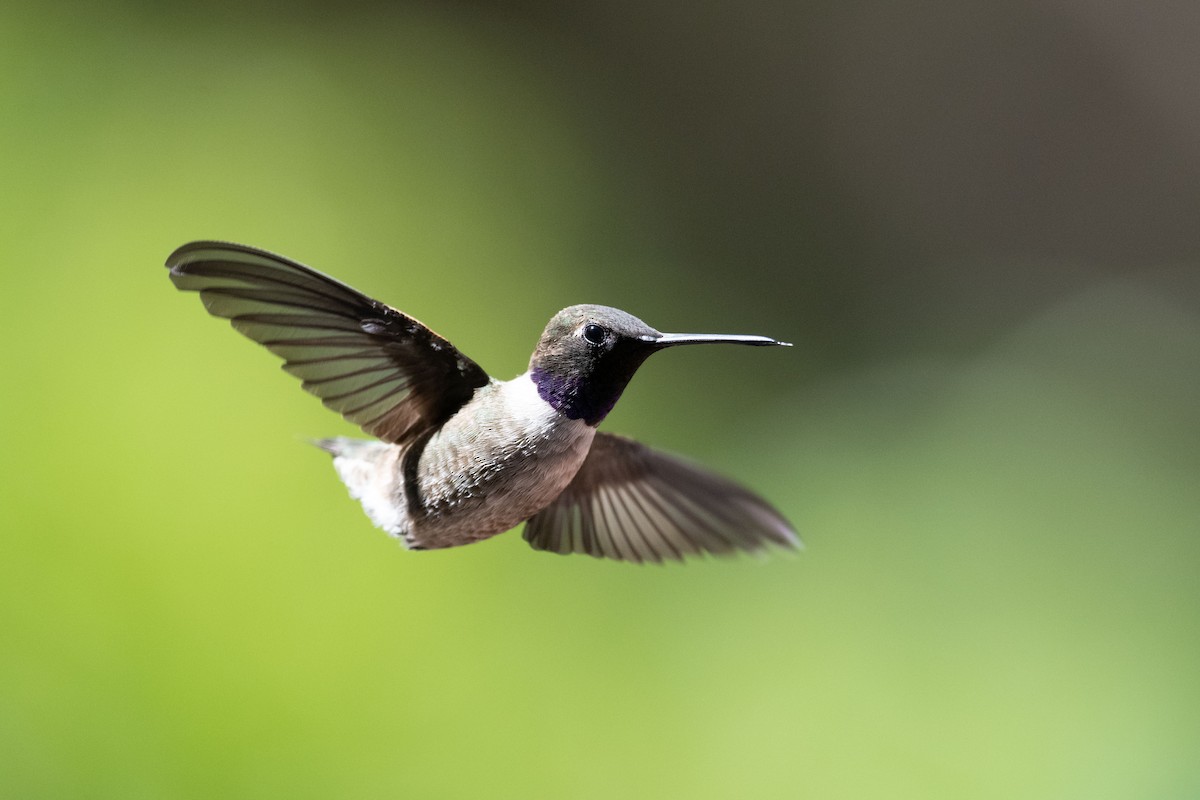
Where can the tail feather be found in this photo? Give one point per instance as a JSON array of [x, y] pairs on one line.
[[329, 445], [343, 446]]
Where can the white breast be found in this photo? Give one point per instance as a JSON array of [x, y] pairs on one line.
[[496, 463]]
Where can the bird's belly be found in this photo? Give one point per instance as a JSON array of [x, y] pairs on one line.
[[466, 495], [473, 484]]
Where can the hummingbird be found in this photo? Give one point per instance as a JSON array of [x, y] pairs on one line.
[[458, 456]]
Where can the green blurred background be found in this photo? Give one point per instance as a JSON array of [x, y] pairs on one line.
[[976, 221]]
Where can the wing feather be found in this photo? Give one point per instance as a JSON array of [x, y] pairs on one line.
[[632, 503], [378, 367]]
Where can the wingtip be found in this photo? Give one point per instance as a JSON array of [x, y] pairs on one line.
[[178, 257]]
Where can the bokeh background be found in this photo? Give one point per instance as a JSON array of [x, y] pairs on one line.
[[977, 221]]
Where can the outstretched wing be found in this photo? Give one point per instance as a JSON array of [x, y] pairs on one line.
[[632, 503], [379, 368]]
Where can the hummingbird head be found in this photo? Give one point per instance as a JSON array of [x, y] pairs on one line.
[[588, 354]]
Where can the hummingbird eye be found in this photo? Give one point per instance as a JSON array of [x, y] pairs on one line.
[[594, 334]]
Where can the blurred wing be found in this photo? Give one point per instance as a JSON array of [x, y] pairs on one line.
[[632, 503], [376, 366]]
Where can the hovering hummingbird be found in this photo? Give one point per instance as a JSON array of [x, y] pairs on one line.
[[460, 456]]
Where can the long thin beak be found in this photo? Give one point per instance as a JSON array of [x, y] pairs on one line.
[[672, 339]]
